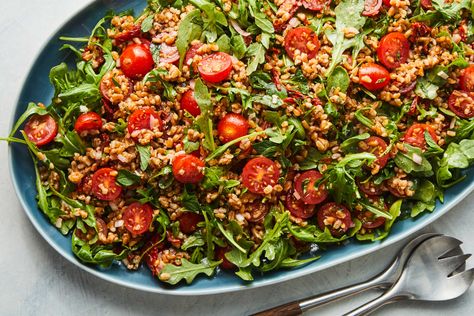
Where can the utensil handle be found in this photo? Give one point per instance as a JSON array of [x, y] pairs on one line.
[[366, 309], [289, 309]]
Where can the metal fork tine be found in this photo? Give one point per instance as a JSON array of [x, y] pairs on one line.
[[442, 245], [462, 280], [453, 263]]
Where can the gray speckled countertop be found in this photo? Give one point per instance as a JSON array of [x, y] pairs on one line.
[[35, 280]]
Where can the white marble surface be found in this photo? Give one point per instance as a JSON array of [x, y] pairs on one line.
[[35, 280]]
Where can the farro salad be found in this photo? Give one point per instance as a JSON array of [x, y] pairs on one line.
[[249, 135]]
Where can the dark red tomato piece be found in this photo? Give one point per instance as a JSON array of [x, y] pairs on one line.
[[370, 188], [136, 60], [115, 87], [141, 119], [466, 81], [372, 7], [188, 168], [259, 173], [89, 121], [232, 126], [386, 2], [298, 208], [85, 186], [426, 4], [104, 186], [306, 190], [153, 259], [396, 189], [41, 129], [377, 146], [257, 211], [128, 35], [303, 39], [192, 51], [216, 67], [137, 218], [168, 54], [336, 218], [316, 5], [419, 29], [373, 77], [102, 228], [220, 255], [393, 50], [462, 103], [189, 104], [415, 135], [188, 222], [370, 220]]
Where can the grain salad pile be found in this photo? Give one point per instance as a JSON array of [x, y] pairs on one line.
[[248, 136]]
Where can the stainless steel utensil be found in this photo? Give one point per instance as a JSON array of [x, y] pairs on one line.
[[382, 281], [430, 274]]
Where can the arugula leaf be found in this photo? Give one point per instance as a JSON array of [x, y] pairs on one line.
[[127, 178], [413, 161], [145, 154], [190, 201], [32, 108], [456, 157], [378, 234], [147, 23], [188, 31], [238, 46], [221, 149], [204, 120], [338, 79], [72, 143], [103, 255], [349, 144], [256, 54], [187, 271]]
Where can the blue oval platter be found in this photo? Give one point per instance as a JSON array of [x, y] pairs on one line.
[[38, 89]]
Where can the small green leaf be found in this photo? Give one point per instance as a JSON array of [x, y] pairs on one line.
[[126, 178], [186, 271], [145, 154]]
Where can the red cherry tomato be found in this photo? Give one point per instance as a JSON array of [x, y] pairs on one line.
[[85, 186], [137, 218], [466, 81], [127, 35], [298, 208], [377, 146], [136, 61], [370, 188], [153, 258], [192, 51], [168, 54], [372, 7], [104, 186], [144, 119], [336, 218], [257, 211], [415, 135], [419, 29], [426, 4], [188, 168], [89, 121], [41, 129], [386, 2], [462, 103], [216, 67], [370, 220], [303, 39], [316, 5], [188, 222], [396, 190], [189, 104], [260, 173], [393, 50], [111, 83], [373, 77], [232, 126], [220, 255], [304, 187]]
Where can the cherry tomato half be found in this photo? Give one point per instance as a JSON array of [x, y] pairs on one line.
[[370, 188], [188, 222], [304, 187], [136, 61], [104, 186], [188, 168], [220, 255], [393, 50], [462, 103], [216, 67], [260, 173], [373, 77], [370, 220], [41, 129], [415, 135], [189, 104], [192, 51], [377, 146], [336, 218], [137, 218], [303, 39], [144, 119], [168, 54], [298, 208], [232, 126], [372, 7], [466, 81], [89, 121], [316, 5]]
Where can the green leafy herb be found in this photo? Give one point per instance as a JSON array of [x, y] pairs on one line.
[[126, 178], [187, 271], [145, 154]]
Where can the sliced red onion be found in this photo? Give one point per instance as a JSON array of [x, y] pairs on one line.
[[407, 88], [239, 30]]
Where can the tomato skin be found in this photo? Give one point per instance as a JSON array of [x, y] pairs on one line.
[[462, 103], [192, 51], [220, 255], [136, 61], [369, 221], [189, 104], [316, 5], [87, 122], [386, 2], [137, 218], [128, 35], [232, 126], [370, 189], [188, 222], [216, 67], [426, 4], [104, 178], [298, 208], [331, 214], [415, 135], [153, 257], [259, 173], [257, 210], [419, 29], [298, 39], [466, 81], [41, 129], [168, 54], [373, 76], [372, 7], [188, 168], [393, 50], [376, 146], [310, 194], [144, 119]]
